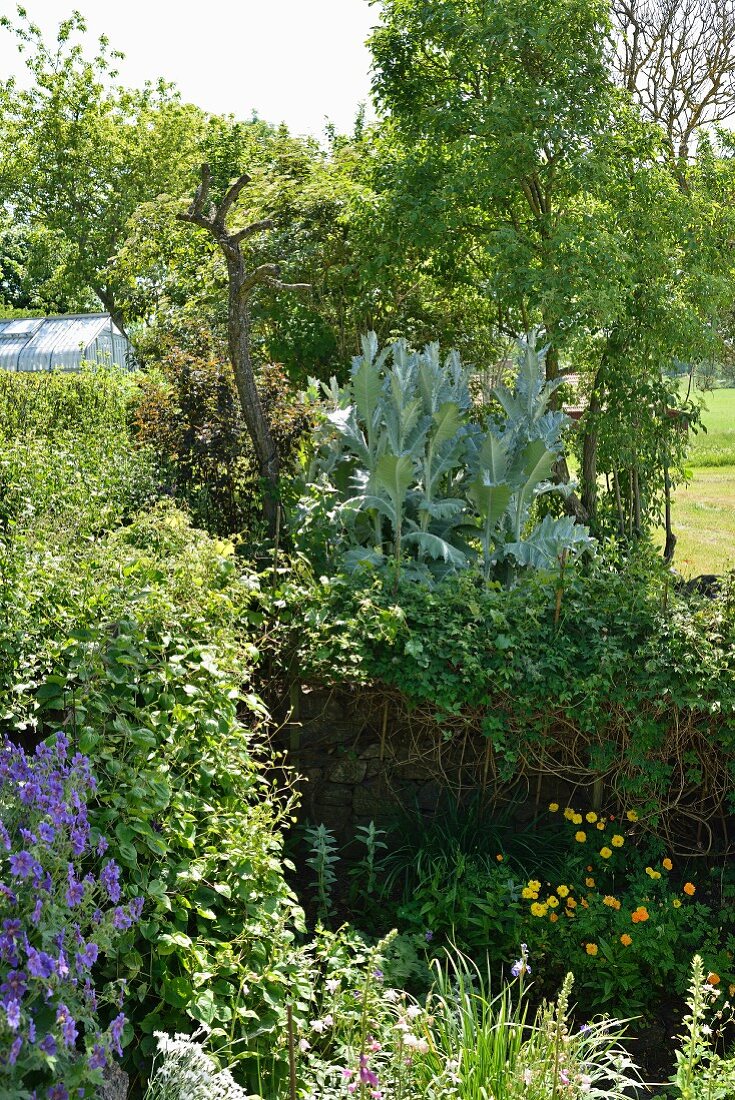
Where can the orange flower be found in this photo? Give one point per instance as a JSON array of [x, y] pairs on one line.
[[499, 858], [626, 940], [713, 979], [667, 864], [640, 915], [591, 948], [553, 917], [689, 888], [589, 882], [584, 903]]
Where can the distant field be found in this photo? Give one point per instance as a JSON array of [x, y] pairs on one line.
[[716, 447], [703, 512]]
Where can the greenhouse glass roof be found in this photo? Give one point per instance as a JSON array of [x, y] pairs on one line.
[[61, 343]]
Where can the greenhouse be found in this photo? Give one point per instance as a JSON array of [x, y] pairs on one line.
[[62, 343]]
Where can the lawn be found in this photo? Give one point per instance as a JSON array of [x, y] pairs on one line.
[[704, 508]]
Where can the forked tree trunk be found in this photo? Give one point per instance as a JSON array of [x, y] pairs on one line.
[[242, 283]]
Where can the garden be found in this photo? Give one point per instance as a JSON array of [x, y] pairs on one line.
[[362, 731]]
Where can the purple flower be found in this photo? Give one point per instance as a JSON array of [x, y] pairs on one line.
[[121, 919], [88, 957], [12, 1011], [48, 1045], [15, 1050], [102, 846], [23, 865], [75, 894], [98, 1057], [40, 964], [57, 1092], [14, 984], [367, 1075], [68, 1027], [12, 928], [5, 837], [136, 908], [428, 936], [36, 914], [116, 1030], [46, 832], [109, 879]]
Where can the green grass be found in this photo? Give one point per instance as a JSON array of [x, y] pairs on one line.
[[703, 518], [716, 447]]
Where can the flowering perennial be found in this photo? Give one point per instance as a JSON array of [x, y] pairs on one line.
[[57, 916]]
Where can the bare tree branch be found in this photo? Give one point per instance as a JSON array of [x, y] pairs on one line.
[[677, 60]]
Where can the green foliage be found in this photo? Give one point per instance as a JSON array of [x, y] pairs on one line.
[[701, 1072], [188, 414], [364, 872], [401, 468], [322, 858]]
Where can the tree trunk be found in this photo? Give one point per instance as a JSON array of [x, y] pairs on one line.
[[589, 458], [670, 545], [108, 301], [256, 420]]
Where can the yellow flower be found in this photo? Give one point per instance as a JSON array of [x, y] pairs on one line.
[[552, 902], [667, 864], [534, 884], [652, 874], [631, 815], [538, 910], [689, 888], [553, 917], [577, 819], [591, 817], [527, 892], [626, 940], [591, 948], [580, 836], [676, 903], [589, 882], [611, 902], [562, 891], [617, 841], [569, 813], [499, 858], [605, 852], [571, 903], [600, 825], [553, 807]]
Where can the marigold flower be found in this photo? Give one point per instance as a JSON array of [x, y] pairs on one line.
[[667, 864], [606, 852], [640, 915], [713, 979], [499, 858], [689, 888], [562, 891], [553, 807], [585, 904], [577, 819], [611, 902], [676, 903], [527, 892], [618, 841], [626, 940], [552, 902], [589, 882], [631, 815], [580, 837], [600, 825], [569, 813], [591, 948], [553, 917], [591, 817], [534, 884], [538, 910], [652, 874]]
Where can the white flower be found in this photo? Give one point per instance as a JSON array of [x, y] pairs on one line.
[[413, 1011], [414, 1043], [304, 1045], [332, 985]]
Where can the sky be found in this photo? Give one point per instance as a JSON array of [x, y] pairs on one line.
[[296, 61]]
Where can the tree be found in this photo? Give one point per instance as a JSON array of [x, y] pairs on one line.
[[80, 153], [242, 281], [676, 58]]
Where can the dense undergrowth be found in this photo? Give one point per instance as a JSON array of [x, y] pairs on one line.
[[146, 641]]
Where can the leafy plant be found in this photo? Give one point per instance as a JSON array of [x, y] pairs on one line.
[[365, 871], [62, 910], [322, 858], [404, 469], [701, 1072]]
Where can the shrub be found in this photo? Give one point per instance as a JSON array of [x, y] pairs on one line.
[[400, 469], [62, 910]]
